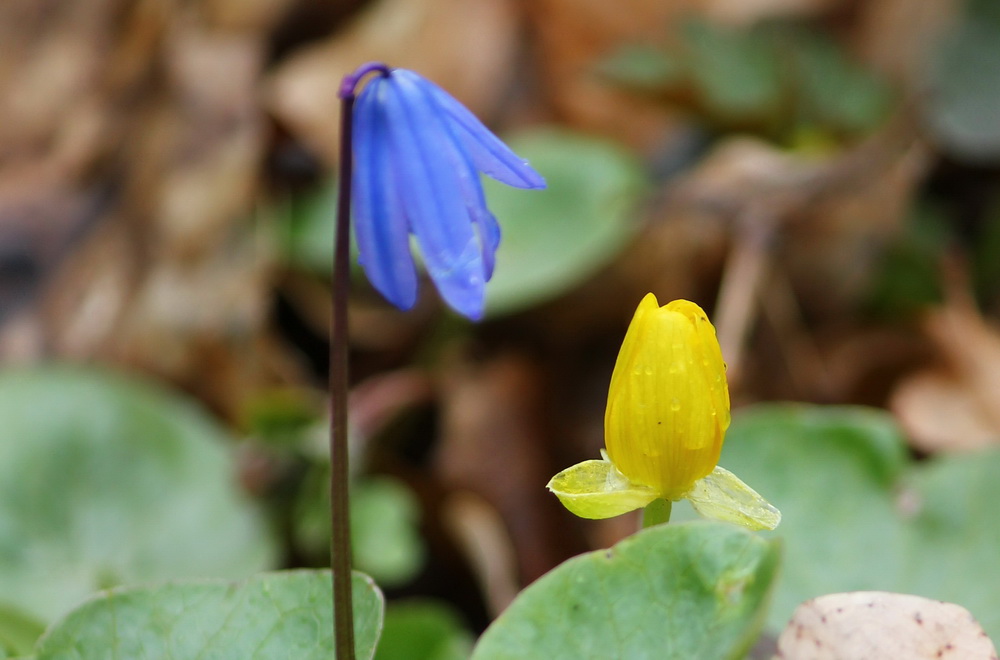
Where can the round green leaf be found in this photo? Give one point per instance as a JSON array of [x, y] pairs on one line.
[[555, 238], [105, 480], [272, 615], [833, 90], [385, 519], [738, 71], [965, 86], [423, 630], [384, 534], [957, 533], [858, 514], [694, 590]]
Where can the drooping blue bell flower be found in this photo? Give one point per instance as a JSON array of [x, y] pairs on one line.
[[417, 157]]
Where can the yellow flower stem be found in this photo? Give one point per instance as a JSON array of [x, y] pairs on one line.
[[658, 511]]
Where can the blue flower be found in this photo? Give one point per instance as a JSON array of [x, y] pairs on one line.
[[417, 157]]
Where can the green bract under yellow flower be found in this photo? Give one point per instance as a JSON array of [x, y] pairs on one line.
[[667, 415]]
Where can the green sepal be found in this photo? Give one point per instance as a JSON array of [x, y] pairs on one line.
[[722, 496], [596, 489]]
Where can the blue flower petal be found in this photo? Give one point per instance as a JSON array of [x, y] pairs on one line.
[[433, 193], [486, 225], [489, 237], [380, 224], [489, 154]]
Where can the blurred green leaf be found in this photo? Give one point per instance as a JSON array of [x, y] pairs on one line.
[[695, 590], [956, 547], [18, 631], [642, 66], [422, 630], [909, 275], [281, 417], [106, 480], [858, 514], [384, 526], [737, 71], [834, 91], [305, 225], [965, 86], [384, 520], [272, 615], [553, 239], [788, 82]]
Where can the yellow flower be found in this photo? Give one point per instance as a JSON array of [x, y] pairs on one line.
[[668, 404], [667, 415]]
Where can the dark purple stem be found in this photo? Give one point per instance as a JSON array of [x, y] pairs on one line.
[[340, 522], [350, 82]]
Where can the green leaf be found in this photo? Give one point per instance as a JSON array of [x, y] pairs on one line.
[[909, 276], [18, 631], [695, 590], [642, 66], [305, 226], [385, 517], [281, 418], [965, 86], [737, 71], [554, 239], [423, 630], [272, 615], [858, 514], [105, 480], [384, 520], [834, 91], [957, 533]]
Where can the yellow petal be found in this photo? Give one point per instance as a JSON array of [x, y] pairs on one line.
[[722, 496], [595, 489], [668, 403]]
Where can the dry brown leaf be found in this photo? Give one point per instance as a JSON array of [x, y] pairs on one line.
[[50, 59], [874, 625], [955, 406], [939, 412], [131, 132], [466, 46]]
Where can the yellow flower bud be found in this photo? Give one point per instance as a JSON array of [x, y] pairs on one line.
[[668, 403], [667, 415]]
